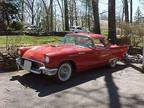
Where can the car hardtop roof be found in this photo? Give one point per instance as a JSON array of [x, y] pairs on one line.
[[91, 35]]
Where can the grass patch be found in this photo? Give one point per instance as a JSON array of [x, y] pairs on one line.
[[27, 40], [105, 33]]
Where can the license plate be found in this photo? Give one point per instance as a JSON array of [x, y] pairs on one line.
[[27, 65]]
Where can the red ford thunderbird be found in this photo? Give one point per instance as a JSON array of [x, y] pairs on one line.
[[76, 53]]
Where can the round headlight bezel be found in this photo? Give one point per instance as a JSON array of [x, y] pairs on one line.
[[19, 52], [47, 60]]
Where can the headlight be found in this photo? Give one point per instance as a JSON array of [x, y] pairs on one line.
[[46, 59], [19, 52]]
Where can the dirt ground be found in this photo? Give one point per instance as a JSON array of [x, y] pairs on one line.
[[122, 87]]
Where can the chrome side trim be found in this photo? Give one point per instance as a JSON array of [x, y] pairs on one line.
[[49, 72]]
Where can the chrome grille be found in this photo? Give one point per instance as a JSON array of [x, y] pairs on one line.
[[35, 65]]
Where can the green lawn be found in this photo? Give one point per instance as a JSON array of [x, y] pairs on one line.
[[27, 40], [105, 33]]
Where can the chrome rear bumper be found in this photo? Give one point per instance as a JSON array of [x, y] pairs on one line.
[[40, 70]]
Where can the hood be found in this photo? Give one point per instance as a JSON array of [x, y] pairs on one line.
[[38, 52]]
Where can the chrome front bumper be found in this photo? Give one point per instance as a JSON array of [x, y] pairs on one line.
[[40, 70]]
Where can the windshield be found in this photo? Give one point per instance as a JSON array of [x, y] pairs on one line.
[[78, 40]]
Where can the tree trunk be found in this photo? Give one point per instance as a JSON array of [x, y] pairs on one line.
[[66, 15], [96, 16], [51, 15], [55, 19], [131, 11], [22, 16], [126, 11], [47, 15], [86, 14], [76, 14], [32, 12], [62, 13], [111, 22], [71, 13]]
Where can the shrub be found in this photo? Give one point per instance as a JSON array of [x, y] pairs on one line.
[[16, 26], [134, 32], [9, 53], [3, 26], [7, 59]]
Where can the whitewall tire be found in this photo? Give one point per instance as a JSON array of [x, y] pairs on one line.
[[64, 72], [113, 63]]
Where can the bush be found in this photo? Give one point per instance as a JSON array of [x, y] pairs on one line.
[[16, 26], [7, 59], [9, 53], [134, 32], [123, 40], [3, 26], [105, 33]]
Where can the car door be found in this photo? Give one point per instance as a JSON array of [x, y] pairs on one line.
[[102, 52], [86, 58], [102, 56]]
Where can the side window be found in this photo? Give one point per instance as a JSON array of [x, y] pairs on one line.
[[70, 40], [90, 43], [99, 43], [85, 41]]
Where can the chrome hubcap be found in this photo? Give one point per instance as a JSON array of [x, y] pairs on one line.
[[64, 72], [113, 63]]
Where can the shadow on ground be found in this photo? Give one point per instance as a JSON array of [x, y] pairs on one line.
[[46, 86], [137, 68], [8, 70]]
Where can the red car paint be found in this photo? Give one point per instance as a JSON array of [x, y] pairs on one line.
[[83, 58]]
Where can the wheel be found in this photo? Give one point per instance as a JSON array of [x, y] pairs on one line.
[[113, 63], [126, 59], [64, 72]]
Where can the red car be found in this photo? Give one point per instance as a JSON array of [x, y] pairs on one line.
[[76, 53]]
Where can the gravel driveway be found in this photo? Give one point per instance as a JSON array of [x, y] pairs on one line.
[[122, 87]]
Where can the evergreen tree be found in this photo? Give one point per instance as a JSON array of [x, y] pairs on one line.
[[138, 15], [8, 11]]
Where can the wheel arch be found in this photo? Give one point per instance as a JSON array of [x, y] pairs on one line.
[[73, 64]]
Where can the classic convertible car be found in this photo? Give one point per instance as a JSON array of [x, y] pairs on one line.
[[77, 52]]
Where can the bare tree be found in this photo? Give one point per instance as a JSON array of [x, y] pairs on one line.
[[96, 16], [66, 15], [51, 15], [71, 12], [31, 9], [62, 13], [76, 14], [111, 22], [131, 11], [126, 7]]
